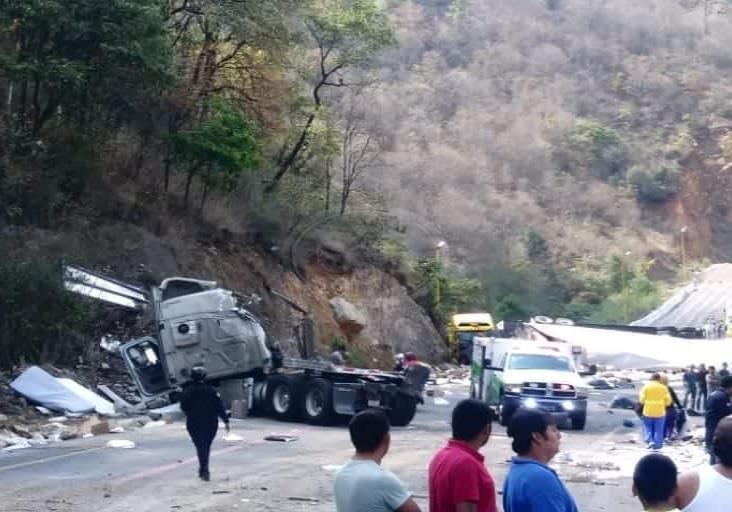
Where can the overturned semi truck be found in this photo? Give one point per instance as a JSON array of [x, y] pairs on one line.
[[198, 323]]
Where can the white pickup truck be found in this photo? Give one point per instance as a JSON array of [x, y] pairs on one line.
[[512, 373]]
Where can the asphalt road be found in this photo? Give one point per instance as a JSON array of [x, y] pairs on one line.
[[159, 474]]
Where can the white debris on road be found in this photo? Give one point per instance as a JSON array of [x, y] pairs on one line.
[[120, 443]]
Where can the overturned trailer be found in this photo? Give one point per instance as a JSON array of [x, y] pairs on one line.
[[198, 323]]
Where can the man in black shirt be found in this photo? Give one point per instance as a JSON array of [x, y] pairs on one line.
[[203, 407], [718, 406], [701, 398]]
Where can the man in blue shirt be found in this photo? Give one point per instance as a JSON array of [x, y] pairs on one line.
[[531, 485]]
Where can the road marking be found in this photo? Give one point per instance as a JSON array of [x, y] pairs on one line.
[[48, 459], [174, 465]]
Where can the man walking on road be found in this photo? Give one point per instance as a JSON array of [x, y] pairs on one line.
[[531, 485], [458, 479], [709, 489], [655, 483], [203, 407], [718, 407], [655, 398], [362, 485]]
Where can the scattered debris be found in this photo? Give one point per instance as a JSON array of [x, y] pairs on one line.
[[281, 438], [331, 467], [232, 438], [58, 394], [441, 401], [622, 402], [120, 443], [168, 414], [628, 423], [306, 500], [153, 424]]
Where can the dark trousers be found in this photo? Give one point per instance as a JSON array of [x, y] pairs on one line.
[[670, 426], [202, 439], [690, 392], [701, 399]]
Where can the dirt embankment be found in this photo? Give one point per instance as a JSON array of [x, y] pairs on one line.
[[704, 201], [387, 319]]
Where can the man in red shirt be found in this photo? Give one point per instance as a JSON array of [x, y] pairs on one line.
[[458, 479]]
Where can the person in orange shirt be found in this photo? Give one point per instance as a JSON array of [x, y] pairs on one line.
[[655, 398]]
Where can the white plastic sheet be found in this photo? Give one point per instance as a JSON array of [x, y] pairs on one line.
[[59, 394]]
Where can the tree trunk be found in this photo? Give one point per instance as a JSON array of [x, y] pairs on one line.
[[140, 161], [287, 163], [189, 180], [344, 200], [203, 198], [328, 178]]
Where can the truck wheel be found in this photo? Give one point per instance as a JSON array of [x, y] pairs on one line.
[[579, 421], [283, 397], [402, 410], [317, 403]]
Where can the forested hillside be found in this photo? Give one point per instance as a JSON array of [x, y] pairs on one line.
[[558, 148]]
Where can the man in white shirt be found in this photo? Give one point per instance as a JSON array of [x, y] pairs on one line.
[[709, 488], [362, 485], [654, 483]]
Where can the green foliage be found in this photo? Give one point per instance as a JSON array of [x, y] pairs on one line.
[[654, 185], [220, 148], [38, 317], [353, 30], [76, 56], [598, 148], [537, 247], [510, 307], [447, 293]]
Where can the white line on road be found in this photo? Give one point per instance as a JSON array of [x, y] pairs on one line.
[[48, 459]]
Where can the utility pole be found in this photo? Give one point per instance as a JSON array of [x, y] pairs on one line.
[[683, 231], [626, 298], [440, 245]]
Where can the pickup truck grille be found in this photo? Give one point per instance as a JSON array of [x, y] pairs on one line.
[[544, 389]]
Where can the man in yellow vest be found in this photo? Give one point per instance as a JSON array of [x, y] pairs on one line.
[[654, 397]]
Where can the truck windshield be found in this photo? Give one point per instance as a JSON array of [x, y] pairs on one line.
[[467, 336], [539, 362]]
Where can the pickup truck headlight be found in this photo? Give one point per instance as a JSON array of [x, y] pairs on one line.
[[514, 389]]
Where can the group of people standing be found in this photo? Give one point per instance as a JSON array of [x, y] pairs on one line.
[[661, 408], [698, 382], [459, 481]]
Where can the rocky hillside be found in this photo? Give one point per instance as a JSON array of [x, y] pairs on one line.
[[352, 303]]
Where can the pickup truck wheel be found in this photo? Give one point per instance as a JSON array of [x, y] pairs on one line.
[[317, 403], [579, 421], [283, 397], [402, 411]]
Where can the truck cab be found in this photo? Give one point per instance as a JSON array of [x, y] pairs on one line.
[[509, 374], [463, 328]]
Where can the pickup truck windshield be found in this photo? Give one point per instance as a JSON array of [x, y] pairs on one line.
[[539, 362]]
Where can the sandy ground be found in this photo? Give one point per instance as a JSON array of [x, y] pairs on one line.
[[159, 474]]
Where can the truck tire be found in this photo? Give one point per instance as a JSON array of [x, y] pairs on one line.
[[579, 421], [317, 402], [403, 409], [283, 397]]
